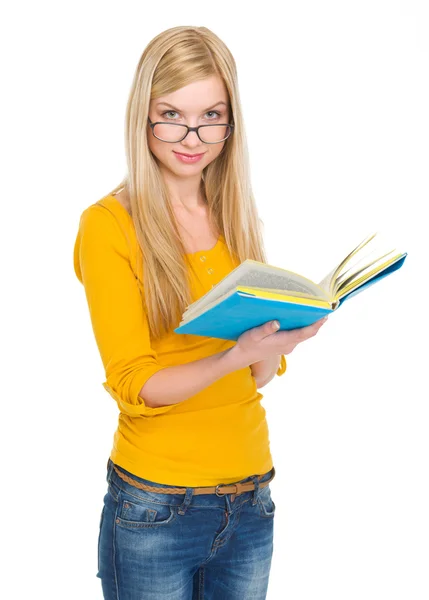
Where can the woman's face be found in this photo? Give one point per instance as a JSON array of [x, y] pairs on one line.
[[203, 102]]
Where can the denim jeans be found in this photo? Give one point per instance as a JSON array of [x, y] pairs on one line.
[[155, 546]]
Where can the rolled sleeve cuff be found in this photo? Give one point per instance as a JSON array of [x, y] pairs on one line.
[[135, 405]]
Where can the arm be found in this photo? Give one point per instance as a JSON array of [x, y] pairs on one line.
[[134, 377], [177, 383]]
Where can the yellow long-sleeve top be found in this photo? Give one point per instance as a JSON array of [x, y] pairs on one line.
[[220, 434]]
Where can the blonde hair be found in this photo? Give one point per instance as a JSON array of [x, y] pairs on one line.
[[173, 59]]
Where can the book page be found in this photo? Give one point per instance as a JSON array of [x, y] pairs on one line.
[[356, 265], [373, 253], [368, 270], [251, 273], [329, 281], [286, 280]]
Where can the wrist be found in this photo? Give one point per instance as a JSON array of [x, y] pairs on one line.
[[234, 359]]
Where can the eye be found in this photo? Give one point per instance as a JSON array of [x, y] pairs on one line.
[[168, 112], [213, 112]]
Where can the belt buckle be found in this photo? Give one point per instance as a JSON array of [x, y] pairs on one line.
[[216, 490], [220, 484]]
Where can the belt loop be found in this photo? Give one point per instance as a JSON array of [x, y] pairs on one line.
[[186, 502], [255, 480]]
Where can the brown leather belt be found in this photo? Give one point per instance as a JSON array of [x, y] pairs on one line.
[[220, 490]]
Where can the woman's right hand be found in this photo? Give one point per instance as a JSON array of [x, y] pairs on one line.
[[261, 342]]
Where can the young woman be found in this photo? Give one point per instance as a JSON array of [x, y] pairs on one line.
[[188, 511]]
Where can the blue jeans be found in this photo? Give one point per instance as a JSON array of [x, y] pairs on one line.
[[155, 546]]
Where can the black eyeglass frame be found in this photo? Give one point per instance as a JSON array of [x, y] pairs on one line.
[[196, 129]]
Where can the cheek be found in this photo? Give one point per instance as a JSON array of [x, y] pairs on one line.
[[158, 148], [214, 151]]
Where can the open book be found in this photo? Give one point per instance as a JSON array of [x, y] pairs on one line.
[[254, 293]]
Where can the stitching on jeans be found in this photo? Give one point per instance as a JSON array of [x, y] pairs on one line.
[[113, 491], [264, 512], [146, 524], [201, 584], [115, 576]]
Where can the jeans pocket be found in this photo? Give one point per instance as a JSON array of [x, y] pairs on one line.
[[266, 504], [134, 512]]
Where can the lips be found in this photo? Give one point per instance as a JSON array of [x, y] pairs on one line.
[[190, 155]]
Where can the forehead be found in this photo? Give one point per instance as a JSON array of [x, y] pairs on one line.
[[197, 96]]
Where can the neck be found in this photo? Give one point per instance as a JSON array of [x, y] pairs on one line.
[[185, 192]]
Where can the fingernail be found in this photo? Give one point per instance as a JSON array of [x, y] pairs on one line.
[[275, 325]]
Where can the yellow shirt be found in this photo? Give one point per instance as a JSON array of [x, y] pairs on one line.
[[219, 435]]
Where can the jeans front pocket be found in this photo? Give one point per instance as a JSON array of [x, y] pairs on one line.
[[266, 504], [138, 511]]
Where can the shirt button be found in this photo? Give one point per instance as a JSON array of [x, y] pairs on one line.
[[202, 258], [210, 271]]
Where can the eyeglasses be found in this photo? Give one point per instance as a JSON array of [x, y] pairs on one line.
[[175, 132]]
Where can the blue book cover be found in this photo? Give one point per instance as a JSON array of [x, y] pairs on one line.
[[255, 293]]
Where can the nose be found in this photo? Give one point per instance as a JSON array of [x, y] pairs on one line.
[[192, 140]]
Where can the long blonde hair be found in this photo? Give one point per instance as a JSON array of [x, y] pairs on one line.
[[173, 59]]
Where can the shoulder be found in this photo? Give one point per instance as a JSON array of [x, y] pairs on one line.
[[100, 226], [96, 220], [105, 214], [99, 242]]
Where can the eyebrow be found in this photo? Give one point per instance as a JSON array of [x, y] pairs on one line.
[[174, 108]]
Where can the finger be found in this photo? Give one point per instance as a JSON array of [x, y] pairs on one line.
[[310, 330], [268, 328], [318, 324]]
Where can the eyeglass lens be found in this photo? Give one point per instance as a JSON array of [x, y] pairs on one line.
[[170, 132]]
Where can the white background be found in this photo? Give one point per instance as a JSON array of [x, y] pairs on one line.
[[335, 98]]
